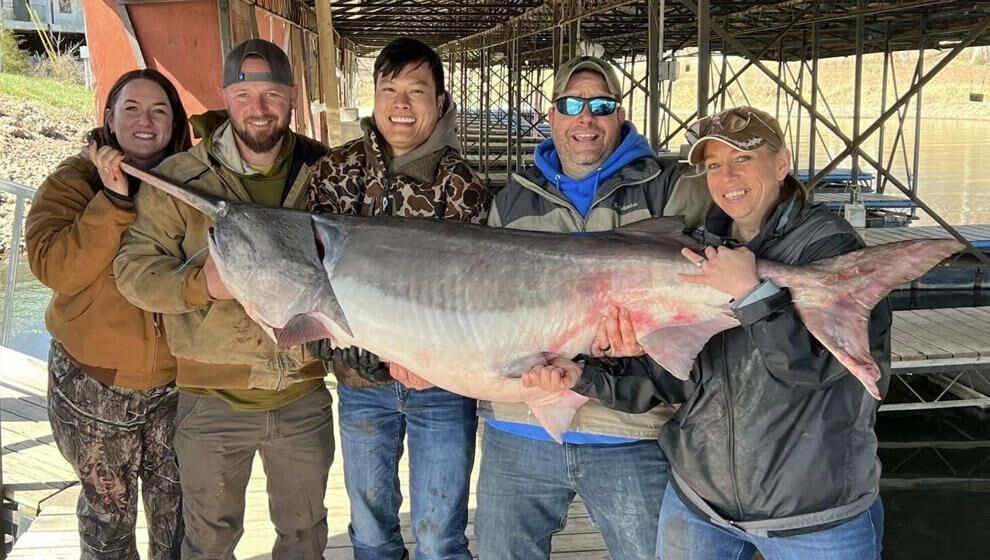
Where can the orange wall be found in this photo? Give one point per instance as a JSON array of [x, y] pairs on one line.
[[179, 39], [109, 50], [182, 41]]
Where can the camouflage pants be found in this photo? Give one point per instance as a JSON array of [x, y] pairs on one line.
[[112, 437]]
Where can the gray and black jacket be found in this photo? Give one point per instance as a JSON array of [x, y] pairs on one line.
[[776, 436], [643, 189]]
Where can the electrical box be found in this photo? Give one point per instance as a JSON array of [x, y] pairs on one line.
[[669, 70]]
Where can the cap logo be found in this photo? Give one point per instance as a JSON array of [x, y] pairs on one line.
[[255, 77]]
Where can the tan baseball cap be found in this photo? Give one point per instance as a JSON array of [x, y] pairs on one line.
[[743, 128], [590, 63]]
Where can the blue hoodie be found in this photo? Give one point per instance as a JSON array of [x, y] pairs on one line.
[[581, 192]]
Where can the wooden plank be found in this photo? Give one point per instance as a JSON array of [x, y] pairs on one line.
[[923, 348], [978, 317], [902, 346], [935, 334], [877, 236], [976, 337]]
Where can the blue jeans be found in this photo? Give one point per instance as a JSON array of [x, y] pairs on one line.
[[527, 485], [686, 535], [442, 429]]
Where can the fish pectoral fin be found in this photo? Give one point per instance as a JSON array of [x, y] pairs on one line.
[[676, 347], [555, 414], [332, 310], [300, 330], [519, 366]]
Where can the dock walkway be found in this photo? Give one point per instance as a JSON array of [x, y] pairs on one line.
[[977, 234], [951, 345], [43, 485]]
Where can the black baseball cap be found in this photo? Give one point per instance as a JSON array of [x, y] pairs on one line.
[[280, 70]]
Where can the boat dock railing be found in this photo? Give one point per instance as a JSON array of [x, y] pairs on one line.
[[22, 193]]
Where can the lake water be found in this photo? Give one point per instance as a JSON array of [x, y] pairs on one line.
[[950, 448], [954, 176]]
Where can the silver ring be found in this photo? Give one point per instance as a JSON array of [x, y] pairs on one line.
[[701, 262]]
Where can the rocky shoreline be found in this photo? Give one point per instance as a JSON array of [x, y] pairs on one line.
[[34, 137]]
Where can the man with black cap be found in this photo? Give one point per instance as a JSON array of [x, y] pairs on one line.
[[239, 394], [595, 173]]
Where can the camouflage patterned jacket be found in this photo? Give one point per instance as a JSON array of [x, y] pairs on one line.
[[432, 181]]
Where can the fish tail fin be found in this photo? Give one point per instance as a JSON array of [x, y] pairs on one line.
[[834, 296], [555, 416]]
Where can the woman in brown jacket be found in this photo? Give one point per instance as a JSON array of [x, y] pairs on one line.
[[111, 391]]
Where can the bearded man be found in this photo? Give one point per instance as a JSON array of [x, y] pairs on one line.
[[239, 394]]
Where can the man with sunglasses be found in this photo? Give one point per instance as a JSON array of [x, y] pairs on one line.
[[596, 173]]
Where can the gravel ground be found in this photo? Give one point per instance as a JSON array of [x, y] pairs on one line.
[[34, 138]]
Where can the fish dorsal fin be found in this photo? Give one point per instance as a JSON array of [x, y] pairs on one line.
[[653, 227], [665, 229]]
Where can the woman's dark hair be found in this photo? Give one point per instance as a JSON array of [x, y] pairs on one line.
[[180, 142], [401, 52]]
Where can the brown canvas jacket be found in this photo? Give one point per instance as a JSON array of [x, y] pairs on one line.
[[73, 233], [159, 267], [432, 181]]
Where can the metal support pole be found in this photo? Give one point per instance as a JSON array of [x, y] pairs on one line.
[[484, 108], [463, 98], [518, 131], [574, 31], [328, 72], [800, 87], [781, 73], [816, 37], [510, 64], [857, 99], [704, 56], [722, 76], [557, 32], [654, 51], [917, 118], [883, 100]]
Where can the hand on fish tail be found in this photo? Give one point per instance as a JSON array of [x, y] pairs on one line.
[[834, 296]]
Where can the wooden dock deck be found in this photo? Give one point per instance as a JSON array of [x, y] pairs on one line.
[[977, 234], [44, 486], [951, 345]]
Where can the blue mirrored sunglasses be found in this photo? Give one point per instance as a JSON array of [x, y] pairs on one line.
[[599, 106]]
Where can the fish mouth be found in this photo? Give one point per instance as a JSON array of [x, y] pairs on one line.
[[213, 244]]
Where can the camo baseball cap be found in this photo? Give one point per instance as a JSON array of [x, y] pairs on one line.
[[280, 70], [585, 62], [743, 128]]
